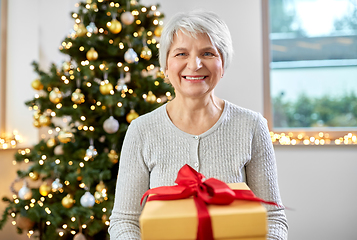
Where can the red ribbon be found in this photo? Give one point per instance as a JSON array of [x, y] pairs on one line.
[[211, 191]]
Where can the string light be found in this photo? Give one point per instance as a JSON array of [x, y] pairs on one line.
[[10, 141], [319, 139]]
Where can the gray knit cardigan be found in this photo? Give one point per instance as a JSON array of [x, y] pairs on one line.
[[237, 148]]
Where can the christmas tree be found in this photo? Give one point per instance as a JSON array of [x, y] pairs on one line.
[[86, 105]]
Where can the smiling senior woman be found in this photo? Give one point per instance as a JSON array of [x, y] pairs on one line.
[[214, 136]]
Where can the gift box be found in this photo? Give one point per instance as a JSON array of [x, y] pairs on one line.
[[177, 219]]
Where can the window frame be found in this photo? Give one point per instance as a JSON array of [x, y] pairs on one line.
[[3, 47], [284, 136]]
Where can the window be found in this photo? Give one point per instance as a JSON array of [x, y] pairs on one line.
[[313, 69]]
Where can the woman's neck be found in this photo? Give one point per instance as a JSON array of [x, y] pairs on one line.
[[195, 116]]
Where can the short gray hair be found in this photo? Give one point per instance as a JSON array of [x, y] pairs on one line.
[[198, 21]]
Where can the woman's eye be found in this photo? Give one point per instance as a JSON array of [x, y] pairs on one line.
[[208, 54], [180, 54]]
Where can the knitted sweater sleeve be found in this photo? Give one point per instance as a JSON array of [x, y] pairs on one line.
[[262, 178], [132, 183]]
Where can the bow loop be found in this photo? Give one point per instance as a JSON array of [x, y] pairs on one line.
[[187, 176]]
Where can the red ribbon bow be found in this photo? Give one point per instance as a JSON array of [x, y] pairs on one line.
[[211, 191]]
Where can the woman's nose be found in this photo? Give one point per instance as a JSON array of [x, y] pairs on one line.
[[194, 63]]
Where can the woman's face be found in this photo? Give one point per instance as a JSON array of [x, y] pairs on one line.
[[194, 65]]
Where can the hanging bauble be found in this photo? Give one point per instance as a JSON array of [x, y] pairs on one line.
[[77, 96], [45, 189], [56, 185], [44, 120], [92, 28], [91, 152], [36, 115], [34, 175], [79, 176], [65, 137], [55, 96], [36, 84], [100, 187], [92, 54], [113, 156], [51, 142], [79, 236], [127, 18], [151, 98], [146, 53], [98, 196], [114, 26], [66, 66], [87, 200], [121, 85], [24, 223], [37, 123], [58, 150], [67, 201], [81, 30], [130, 56], [25, 193], [158, 31], [105, 88], [131, 116], [111, 125]]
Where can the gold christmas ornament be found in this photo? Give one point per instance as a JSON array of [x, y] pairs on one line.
[[151, 98], [51, 142], [36, 84], [115, 26], [105, 88], [81, 30], [146, 53], [66, 66], [67, 201], [113, 156], [131, 116], [158, 31], [45, 189], [79, 236], [24, 223], [55, 96], [92, 54], [100, 186], [77, 96], [65, 137], [34, 175], [79, 177], [44, 120], [36, 123]]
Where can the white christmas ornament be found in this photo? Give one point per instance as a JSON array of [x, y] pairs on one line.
[[127, 18], [91, 152], [87, 200], [25, 193], [58, 150], [131, 56], [92, 28], [121, 85], [57, 185], [111, 125]]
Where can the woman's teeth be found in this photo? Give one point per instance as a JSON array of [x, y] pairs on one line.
[[194, 78]]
